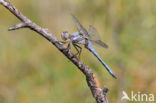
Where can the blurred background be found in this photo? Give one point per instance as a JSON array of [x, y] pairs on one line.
[[31, 72]]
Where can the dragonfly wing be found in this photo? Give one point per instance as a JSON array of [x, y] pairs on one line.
[[80, 28], [100, 43], [95, 38], [93, 34]]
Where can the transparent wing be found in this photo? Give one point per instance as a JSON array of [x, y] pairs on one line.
[[95, 38], [80, 28], [93, 34], [99, 43]]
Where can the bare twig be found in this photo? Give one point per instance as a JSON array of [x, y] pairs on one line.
[[98, 93]]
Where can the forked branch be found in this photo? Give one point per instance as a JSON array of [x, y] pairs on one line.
[[98, 93]]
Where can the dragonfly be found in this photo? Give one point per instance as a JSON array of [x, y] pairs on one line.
[[85, 38]]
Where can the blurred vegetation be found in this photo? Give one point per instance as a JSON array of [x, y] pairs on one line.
[[31, 72]]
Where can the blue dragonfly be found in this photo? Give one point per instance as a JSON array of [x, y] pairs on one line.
[[85, 38]]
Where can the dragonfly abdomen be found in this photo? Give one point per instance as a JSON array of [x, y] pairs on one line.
[[90, 47]]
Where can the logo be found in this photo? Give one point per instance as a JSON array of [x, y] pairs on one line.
[[141, 97], [125, 96]]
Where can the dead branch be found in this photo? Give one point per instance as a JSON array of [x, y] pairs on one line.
[[98, 93]]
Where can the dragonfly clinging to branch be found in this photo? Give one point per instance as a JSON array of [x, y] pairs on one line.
[[86, 38]]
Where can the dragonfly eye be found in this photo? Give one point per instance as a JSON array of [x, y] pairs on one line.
[[65, 35]]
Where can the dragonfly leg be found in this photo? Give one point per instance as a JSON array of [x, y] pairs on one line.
[[68, 47], [78, 51], [64, 42]]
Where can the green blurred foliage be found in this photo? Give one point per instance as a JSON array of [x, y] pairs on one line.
[[31, 72]]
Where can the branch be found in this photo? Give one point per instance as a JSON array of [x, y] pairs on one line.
[[98, 93]]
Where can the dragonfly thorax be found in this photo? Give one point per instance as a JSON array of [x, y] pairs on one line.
[[77, 38]]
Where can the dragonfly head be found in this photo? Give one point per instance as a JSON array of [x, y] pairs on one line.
[[65, 35]]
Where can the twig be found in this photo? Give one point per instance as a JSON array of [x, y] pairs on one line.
[[98, 93]]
